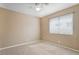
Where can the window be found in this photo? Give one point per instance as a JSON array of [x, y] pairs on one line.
[[61, 24]]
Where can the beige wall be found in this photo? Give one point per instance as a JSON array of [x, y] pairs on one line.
[[71, 41], [16, 28]]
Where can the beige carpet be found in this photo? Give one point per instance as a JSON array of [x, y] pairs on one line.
[[40, 48]]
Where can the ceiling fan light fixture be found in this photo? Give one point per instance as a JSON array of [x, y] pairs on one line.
[[38, 9], [39, 6]]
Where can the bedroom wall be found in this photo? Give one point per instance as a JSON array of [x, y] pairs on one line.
[[17, 28], [71, 41]]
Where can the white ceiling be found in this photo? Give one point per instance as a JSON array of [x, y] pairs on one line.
[[28, 8]]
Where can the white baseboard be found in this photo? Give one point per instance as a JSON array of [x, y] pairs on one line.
[[63, 46], [70, 48], [25, 43]]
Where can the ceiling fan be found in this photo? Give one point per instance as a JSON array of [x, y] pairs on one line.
[[40, 6]]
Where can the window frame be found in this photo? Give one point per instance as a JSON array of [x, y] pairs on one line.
[[59, 15]]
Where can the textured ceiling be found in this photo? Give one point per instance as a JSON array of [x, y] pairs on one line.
[[28, 8]]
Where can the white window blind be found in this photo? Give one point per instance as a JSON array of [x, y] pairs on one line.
[[61, 24]]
